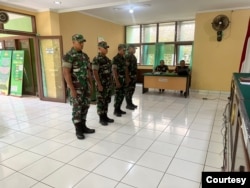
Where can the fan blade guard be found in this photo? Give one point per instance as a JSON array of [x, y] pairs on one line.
[[4, 18], [220, 23]]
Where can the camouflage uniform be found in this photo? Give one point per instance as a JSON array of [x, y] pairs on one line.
[[132, 71], [103, 65], [119, 63], [78, 62], [183, 70], [161, 69]]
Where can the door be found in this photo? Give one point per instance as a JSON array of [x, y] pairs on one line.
[[240, 162], [29, 82], [49, 66], [29, 73]]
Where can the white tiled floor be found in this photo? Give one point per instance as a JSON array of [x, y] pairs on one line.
[[165, 143]]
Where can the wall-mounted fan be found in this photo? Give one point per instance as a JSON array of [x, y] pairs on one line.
[[219, 24], [4, 18]]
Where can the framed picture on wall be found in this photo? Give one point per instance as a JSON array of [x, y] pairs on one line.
[[100, 39]]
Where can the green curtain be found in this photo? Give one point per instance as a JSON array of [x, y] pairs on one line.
[[191, 58], [159, 53], [145, 55], [180, 54], [45, 91]]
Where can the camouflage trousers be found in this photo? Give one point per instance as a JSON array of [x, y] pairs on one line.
[[103, 99], [130, 89], [119, 94], [80, 105]]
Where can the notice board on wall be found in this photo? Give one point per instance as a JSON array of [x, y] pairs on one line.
[[17, 65], [5, 71]]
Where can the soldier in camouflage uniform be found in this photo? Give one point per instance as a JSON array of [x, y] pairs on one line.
[[132, 71], [161, 68], [77, 76], [120, 73], [101, 67]]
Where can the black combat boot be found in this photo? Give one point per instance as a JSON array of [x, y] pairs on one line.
[[103, 121], [130, 106], [121, 111], [117, 112], [79, 131], [108, 119], [135, 106], [131, 103], [85, 129]]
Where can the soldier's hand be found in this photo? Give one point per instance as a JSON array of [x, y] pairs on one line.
[[73, 93], [91, 88], [118, 85], [100, 88], [128, 81]]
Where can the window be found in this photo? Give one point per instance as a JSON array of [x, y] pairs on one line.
[[185, 31], [133, 34], [168, 54], [19, 22], [172, 41], [137, 54], [167, 32], [149, 33], [152, 53], [184, 53], [148, 54]]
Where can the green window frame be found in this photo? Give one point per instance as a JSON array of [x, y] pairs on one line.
[[170, 41], [19, 23]]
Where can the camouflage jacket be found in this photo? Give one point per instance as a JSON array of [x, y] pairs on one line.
[[119, 63], [103, 65], [132, 64], [161, 68], [78, 62]]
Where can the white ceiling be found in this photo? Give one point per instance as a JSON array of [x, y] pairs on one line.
[[145, 11]]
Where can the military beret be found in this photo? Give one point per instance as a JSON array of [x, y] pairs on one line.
[[121, 46], [78, 38], [103, 44], [131, 46]]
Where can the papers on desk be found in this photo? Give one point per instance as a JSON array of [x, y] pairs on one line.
[[244, 81], [157, 73]]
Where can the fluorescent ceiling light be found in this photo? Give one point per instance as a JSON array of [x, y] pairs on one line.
[[57, 2]]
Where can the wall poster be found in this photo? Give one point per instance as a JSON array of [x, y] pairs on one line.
[[5, 71], [16, 86]]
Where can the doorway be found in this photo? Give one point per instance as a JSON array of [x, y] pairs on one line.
[[42, 71], [29, 69], [50, 77]]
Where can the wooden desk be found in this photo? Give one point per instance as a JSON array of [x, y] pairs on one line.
[[237, 138], [141, 70], [168, 81]]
